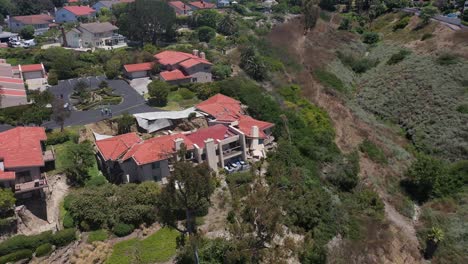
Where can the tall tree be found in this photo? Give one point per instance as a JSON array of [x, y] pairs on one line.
[[59, 113], [125, 123], [7, 202], [147, 20], [78, 159], [227, 25], [31, 7], [158, 92], [310, 13]]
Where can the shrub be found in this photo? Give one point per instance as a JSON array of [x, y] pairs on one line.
[[18, 255], [447, 59], [463, 108], [239, 178], [68, 221], [205, 34], [43, 250], [96, 180], [358, 65], [330, 80], [98, 235], [345, 24], [186, 93], [24, 242], [397, 57], [221, 71], [58, 137], [370, 37], [402, 23], [373, 151], [345, 174], [122, 229], [64, 237], [426, 36], [52, 79]]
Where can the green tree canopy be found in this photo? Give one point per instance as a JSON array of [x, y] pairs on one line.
[[205, 17], [7, 202], [158, 92], [78, 160], [205, 34], [125, 123], [227, 25], [27, 32]]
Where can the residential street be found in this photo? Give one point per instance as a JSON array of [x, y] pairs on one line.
[[132, 101]]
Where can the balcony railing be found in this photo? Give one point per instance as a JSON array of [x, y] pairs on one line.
[[32, 185]]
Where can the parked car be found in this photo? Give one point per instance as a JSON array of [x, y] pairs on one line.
[[29, 43]]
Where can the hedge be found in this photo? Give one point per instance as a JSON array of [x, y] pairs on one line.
[[24, 242], [122, 229], [18, 255], [68, 221], [64, 237], [43, 250], [55, 138]]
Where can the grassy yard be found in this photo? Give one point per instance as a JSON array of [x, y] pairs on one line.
[[159, 247], [177, 101]]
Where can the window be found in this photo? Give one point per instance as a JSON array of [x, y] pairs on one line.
[[24, 176], [155, 165]]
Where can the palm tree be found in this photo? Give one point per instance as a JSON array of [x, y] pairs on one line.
[[434, 237]]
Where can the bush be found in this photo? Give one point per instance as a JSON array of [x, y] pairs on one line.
[[426, 36], [96, 180], [64, 237], [186, 93], [43, 250], [358, 65], [397, 57], [24, 242], [370, 37], [330, 80], [447, 59], [122, 229], [345, 175], [239, 178], [205, 34], [58, 137], [68, 221], [221, 71], [345, 24], [98, 235], [463, 108], [373, 151], [52, 79], [402, 23], [18, 255]]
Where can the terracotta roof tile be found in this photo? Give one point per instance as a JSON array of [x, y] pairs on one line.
[[12, 92], [80, 10], [34, 19], [246, 123], [31, 67], [146, 66], [7, 175], [173, 75], [216, 132], [202, 4], [170, 57], [221, 107], [180, 5], [113, 148], [21, 147]]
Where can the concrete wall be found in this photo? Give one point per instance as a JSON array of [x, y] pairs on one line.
[[201, 72], [35, 173], [144, 172], [16, 26], [138, 74], [32, 75]]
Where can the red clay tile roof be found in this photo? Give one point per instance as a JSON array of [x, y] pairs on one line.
[[12, 92], [34, 19], [10, 80], [156, 149], [246, 123], [192, 62], [223, 108], [216, 132], [113, 148], [80, 10], [170, 57], [173, 75], [202, 4], [7, 175], [146, 66], [31, 67], [21, 147], [180, 5]]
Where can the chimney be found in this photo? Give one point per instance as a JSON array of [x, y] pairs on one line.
[[195, 52], [255, 135], [177, 143], [210, 153], [202, 55]]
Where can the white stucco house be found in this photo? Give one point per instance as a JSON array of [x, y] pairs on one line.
[[94, 35]]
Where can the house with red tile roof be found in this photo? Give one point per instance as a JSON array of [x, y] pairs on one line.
[[201, 4], [221, 109], [41, 23], [138, 70], [74, 13], [32, 71], [22, 158], [188, 67], [180, 8], [12, 89]]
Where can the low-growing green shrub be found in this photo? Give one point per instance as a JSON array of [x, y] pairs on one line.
[[402, 23], [96, 181], [463, 108], [122, 229], [330, 80], [358, 65], [24, 242], [426, 36], [64, 237], [397, 57], [370, 37], [68, 221], [373, 151], [447, 59], [18, 255], [98, 235], [43, 250], [239, 178], [185, 93]]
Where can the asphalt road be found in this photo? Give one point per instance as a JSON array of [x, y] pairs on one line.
[[448, 20], [132, 101]]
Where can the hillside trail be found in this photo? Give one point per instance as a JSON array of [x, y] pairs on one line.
[[312, 51]]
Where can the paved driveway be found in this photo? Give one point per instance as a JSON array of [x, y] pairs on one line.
[[132, 101], [140, 85]]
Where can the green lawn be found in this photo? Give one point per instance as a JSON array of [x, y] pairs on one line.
[[159, 247], [175, 102], [98, 235]]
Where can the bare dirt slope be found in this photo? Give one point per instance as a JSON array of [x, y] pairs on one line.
[[392, 243]]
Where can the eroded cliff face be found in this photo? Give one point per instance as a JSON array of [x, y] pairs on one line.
[[394, 239]]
